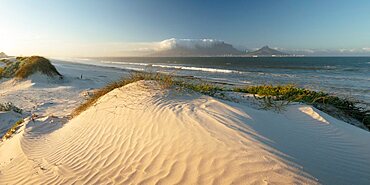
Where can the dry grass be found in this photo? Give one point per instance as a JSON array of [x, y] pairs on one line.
[[323, 101], [31, 65], [204, 88], [1, 71], [26, 66], [12, 130], [10, 69], [10, 107], [272, 96]]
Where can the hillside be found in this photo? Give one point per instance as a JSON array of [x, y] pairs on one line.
[[3, 55], [146, 133], [267, 51], [24, 67], [174, 141], [191, 48]]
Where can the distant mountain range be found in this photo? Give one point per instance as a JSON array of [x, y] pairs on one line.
[[3, 55], [266, 51], [192, 47], [207, 47]]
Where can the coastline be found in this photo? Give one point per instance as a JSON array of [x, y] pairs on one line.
[[338, 151], [346, 77]]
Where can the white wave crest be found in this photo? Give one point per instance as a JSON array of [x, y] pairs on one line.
[[215, 70]]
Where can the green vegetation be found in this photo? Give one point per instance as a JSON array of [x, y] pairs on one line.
[[5, 61], [12, 130], [33, 64], [10, 107], [204, 88], [272, 96], [10, 69], [320, 100], [26, 66]]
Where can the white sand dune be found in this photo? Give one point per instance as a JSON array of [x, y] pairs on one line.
[[139, 134], [142, 134]]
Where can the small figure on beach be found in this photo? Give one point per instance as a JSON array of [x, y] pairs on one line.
[[33, 117]]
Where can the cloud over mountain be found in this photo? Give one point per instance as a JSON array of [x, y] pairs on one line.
[[188, 43], [214, 47], [194, 47]]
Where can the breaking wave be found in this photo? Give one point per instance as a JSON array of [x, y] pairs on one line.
[[205, 69]]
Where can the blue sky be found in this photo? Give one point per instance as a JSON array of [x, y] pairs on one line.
[[115, 27]]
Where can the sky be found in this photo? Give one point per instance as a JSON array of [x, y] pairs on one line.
[[126, 27]]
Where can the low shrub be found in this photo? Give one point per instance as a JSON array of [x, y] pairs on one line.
[[26, 66], [273, 96], [10, 69], [204, 88], [31, 65], [10, 107], [320, 100]]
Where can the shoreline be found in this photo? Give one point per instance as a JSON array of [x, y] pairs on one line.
[[304, 73], [136, 128]]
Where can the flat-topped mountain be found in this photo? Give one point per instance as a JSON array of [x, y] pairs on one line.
[[267, 51], [207, 47], [195, 47]]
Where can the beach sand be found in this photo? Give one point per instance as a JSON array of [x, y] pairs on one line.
[[144, 134]]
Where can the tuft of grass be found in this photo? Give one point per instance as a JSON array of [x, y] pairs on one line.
[[204, 88], [12, 130], [165, 80], [1, 71], [26, 66], [31, 65], [10, 69], [273, 96], [320, 100], [10, 107], [20, 58], [5, 61]]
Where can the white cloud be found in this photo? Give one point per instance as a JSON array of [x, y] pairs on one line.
[[188, 43]]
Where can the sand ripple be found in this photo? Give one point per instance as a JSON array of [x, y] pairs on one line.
[[140, 134]]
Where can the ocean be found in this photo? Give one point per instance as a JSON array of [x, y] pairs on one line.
[[347, 77]]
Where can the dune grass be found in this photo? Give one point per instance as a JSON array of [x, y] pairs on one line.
[[204, 88], [320, 100], [10, 69], [10, 107], [269, 94], [23, 67], [31, 65], [12, 130]]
